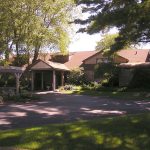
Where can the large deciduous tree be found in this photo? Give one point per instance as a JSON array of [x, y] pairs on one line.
[[131, 17], [29, 25], [106, 42]]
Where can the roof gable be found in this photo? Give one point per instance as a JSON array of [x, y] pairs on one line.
[[40, 65], [92, 56], [48, 65]]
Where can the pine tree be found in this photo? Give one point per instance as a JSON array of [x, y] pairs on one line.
[[131, 17]]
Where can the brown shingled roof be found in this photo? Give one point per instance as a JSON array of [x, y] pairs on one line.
[[50, 64], [76, 58], [134, 56], [58, 66]]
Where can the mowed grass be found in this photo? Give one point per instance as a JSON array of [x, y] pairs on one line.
[[112, 93], [130, 132]]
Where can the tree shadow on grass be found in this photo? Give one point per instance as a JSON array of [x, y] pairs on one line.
[[129, 133]]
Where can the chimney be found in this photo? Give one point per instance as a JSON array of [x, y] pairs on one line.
[[60, 58]]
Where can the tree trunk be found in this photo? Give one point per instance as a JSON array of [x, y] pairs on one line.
[[7, 55], [36, 53], [28, 57], [17, 49], [17, 53], [7, 52]]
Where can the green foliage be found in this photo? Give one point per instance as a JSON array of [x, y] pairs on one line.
[[61, 58], [141, 78], [77, 77], [92, 86], [69, 87], [130, 17], [34, 24], [7, 80], [117, 133], [20, 60], [106, 42], [108, 73], [4, 63]]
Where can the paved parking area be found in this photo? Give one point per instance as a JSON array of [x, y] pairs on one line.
[[60, 108]]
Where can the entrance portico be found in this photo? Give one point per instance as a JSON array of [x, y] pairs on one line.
[[47, 75]]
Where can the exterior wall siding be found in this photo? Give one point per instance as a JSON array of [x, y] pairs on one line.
[[89, 65], [89, 75], [117, 59]]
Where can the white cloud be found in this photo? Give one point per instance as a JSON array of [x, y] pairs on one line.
[[84, 42]]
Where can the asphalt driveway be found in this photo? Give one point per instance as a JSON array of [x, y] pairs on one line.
[[60, 108]]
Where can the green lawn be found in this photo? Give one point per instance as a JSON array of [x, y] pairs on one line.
[[132, 94], [118, 133]]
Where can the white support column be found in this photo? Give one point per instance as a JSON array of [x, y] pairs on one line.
[[62, 78], [42, 82], [54, 80], [32, 80]]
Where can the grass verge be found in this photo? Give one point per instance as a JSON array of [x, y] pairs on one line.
[[113, 93], [130, 132]]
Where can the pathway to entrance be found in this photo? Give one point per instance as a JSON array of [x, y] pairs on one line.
[[60, 108]]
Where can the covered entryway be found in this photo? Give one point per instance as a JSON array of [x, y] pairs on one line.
[[47, 75]]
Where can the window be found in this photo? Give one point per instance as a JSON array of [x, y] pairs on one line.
[[105, 60], [102, 60]]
